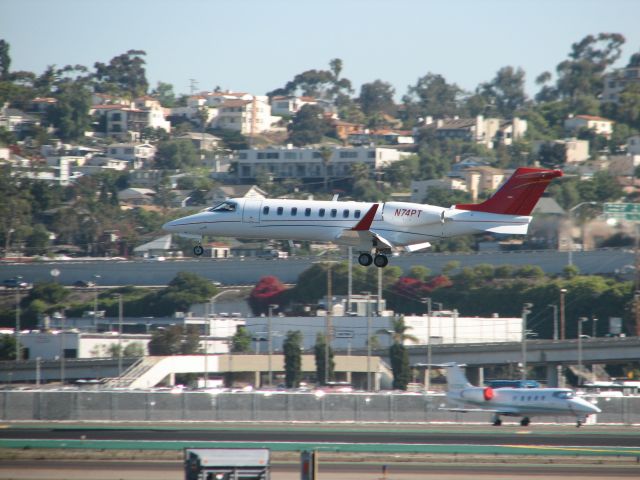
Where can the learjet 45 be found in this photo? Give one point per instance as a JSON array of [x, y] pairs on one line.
[[373, 229]]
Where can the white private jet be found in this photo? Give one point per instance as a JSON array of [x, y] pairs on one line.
[[370, 227], [513, 402]]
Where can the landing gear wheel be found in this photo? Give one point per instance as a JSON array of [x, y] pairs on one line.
[[365, 259], [578, 424], [525, 422], [497, 422], [198, 250], [380, 261]]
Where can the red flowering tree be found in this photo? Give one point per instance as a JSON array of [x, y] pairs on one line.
[[407, 294], [268, 291]]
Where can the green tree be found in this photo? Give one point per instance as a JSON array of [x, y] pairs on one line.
[[165, 94], [7, 347], [505, 93], [320, 351], [176, 154], [241, 340], [291, 348], [166, 341], [326, 153], [124, 73], [398, 354], [377, 97], [70, 114], [308, 126], [135, 349], [5, 60], [432, 96]]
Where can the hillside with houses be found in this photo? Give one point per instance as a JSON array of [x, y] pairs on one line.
[[94, 159]]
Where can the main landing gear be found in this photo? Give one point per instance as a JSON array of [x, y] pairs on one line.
[[380, 260], [198, 250], [525, 421], [496, 421]]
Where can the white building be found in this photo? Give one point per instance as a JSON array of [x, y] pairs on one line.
[[307, 163], [290, 105], [601, 126], [420, 188], [135, 153], [633, 145], [616, 82], [352, 332]]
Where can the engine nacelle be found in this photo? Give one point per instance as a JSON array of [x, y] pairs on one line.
[[410, 214], [478, 394]]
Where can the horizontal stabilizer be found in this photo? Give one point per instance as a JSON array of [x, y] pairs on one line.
[[417, 246], [509, 229]]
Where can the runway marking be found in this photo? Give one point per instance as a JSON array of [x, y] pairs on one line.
[[608, 450]]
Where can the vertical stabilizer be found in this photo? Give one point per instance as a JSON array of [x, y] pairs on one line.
[[519, 195], [456, 378]]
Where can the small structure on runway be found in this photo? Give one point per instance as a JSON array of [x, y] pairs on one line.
[[227, 463]]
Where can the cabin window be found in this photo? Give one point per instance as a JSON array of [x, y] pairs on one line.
[[345, 213], [280, 210], [321, 212], [265, 210], [294, 211], [224, 207], [307, 212], [356, 214], [334, 212]]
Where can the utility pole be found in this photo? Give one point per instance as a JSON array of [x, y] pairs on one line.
[[427, 380], [18, 327], [555, 320], [328, 319], [525, 311], [563, 292], [119, 334], [368, 342]]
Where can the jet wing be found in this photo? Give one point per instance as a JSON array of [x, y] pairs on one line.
[[362, 235], [501, 411]]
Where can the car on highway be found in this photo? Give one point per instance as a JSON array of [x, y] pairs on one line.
[[15, 283], [84, 284]]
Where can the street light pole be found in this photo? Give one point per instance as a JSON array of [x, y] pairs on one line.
[[119, 334], [95, 301], [17, 332], [269, 336], [525, 311], [368, 342], [555, 320], [327, 339], [427, 380], [581, 320], [563, 292]]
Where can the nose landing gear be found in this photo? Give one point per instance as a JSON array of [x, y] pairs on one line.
[[198, 250]]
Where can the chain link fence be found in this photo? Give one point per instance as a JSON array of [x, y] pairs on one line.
[[273, 406]]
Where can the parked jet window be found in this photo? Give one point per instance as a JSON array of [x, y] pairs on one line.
[[334, 212], [563, 395], [294, 211], [345, 213], [280, 210], [265, 210], [356, 214], [224, 207], [307, 212], [321, 212]]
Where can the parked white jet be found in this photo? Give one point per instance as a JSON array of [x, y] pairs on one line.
[[370, 227], [513, 402]]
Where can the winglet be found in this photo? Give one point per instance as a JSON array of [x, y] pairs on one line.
[[367, 220]]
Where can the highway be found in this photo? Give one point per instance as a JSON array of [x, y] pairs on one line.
[[449, 434], [346, 452], [249, 271]]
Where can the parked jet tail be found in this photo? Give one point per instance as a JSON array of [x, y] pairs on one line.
[[519, 195]]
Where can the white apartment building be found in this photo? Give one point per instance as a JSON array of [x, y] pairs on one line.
[[307, 163], [486, 131], [128, 121], [135, 153], [290, 105], [242, 112], [601, 126], [633, 145], [576, 151], [420, 188]]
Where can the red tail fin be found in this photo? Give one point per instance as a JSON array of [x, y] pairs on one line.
[[519, 195]]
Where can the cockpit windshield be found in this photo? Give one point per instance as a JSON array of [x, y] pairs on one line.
[[224, 207], [564, 395]]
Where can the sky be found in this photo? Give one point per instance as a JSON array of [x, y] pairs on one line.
[[257, 46]]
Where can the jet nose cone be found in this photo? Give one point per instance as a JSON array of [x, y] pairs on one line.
[[170, 226]]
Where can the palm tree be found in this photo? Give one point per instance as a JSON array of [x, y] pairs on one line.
[[398, 353], [326, 153]]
